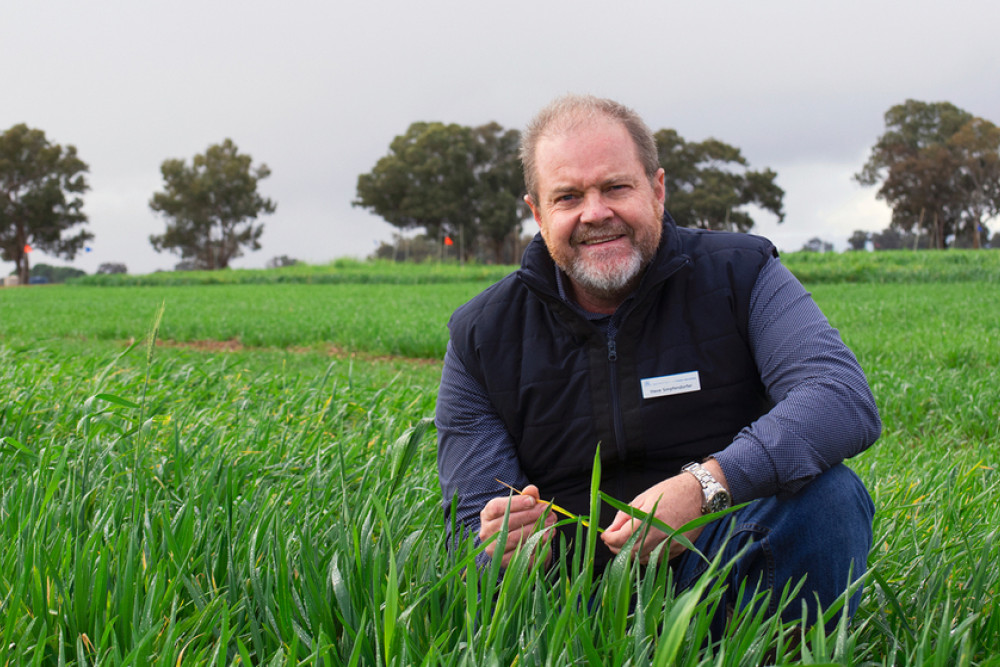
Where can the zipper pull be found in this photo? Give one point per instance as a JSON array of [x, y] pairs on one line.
[[612, 350]]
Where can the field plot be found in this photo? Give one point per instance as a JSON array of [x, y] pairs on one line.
[[403, 320], [278, 504]]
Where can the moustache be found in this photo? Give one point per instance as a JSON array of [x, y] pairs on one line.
[[591, 234]]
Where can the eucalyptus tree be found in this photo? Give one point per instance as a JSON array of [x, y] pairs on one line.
[[41, 184], [710, 185], [453, 182], [938, 168], [211, 206]]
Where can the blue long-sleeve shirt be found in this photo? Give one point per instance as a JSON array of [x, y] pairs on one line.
[[823, 413]]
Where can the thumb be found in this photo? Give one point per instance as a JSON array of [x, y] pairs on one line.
[[531, 490], [619, 522]]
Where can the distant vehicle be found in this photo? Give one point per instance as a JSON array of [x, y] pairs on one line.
[[37, 280]]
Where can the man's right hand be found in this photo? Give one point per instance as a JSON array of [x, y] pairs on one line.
[[525, 509]]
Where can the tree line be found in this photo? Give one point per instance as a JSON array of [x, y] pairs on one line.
[[936, 166]]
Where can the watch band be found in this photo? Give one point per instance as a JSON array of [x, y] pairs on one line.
[[715, 498]]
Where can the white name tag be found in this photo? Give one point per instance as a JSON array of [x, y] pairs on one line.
[[668, 385]]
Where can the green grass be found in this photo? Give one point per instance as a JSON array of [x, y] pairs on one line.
[[279, 504], [407, 320], [342, 271], [896, 266]]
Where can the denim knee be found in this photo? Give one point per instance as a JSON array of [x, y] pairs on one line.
[[822, 533]]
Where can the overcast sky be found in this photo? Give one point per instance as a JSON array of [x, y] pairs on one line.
[[317, 90]]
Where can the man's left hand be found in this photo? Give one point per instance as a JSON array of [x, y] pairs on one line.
[[677, 501]]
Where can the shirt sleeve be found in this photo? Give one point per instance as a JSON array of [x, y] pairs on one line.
[[474, 447], [823, 409]]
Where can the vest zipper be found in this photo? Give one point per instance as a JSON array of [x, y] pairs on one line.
[[614, 325], [616, 415]]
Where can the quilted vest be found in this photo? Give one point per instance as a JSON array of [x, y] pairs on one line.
[[563, 387]]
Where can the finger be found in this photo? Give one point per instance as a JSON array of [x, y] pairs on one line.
[[515, 536], [522, 519], [497, 507], [518, 538]]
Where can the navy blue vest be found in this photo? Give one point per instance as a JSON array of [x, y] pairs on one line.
[[562, 387]]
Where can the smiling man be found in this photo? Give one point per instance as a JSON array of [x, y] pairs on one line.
[[694, 359], [599, 211]]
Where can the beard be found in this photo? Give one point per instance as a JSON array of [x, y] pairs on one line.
[[610, 273]]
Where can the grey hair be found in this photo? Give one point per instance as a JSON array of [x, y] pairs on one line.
[[565, 112]]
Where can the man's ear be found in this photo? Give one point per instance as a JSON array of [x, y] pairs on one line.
[[534, 209]]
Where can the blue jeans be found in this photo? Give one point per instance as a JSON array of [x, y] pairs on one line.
[[822, 533]]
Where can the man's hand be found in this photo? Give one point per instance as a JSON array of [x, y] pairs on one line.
[[525, 509], [677, 500]]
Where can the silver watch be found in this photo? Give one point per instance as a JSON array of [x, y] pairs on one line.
[[716, 498]]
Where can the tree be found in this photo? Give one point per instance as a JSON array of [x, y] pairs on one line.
[[939, 169], [419, 248], [888, 239], [500, 189], [977, 145], [281, 261], [816, 244], [40, 184], [709, 184], [112, 267], [211, 206], [46, 273], [891, 238], [452, 181], [859, 240]]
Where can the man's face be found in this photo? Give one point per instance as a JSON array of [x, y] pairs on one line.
[[599, 215]]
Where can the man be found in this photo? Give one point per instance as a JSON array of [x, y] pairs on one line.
[[695, 360]]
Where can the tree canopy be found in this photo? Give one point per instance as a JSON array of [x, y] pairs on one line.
[[211, 206], [709, 184], [464, 183], [816, 244], [939, 170], [40, 188], [112, 267]]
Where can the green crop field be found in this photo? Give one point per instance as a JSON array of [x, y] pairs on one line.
[[258, 487]]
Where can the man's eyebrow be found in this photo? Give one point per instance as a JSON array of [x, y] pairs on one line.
[[618, 178], [563, 189], [614, 179]]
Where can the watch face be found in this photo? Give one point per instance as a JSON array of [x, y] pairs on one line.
[[719, 501]]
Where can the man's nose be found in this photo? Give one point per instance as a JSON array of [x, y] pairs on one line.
[[595, 209]]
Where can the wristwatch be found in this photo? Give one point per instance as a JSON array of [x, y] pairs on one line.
[[716, 498]]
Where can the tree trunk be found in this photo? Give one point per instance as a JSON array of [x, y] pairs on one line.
[[23, 269]]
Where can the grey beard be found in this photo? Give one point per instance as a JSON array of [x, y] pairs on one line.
[[607, 282]]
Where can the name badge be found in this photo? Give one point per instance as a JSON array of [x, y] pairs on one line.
[[668, 385]]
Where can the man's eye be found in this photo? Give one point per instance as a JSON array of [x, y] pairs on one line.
[[564, 198]]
